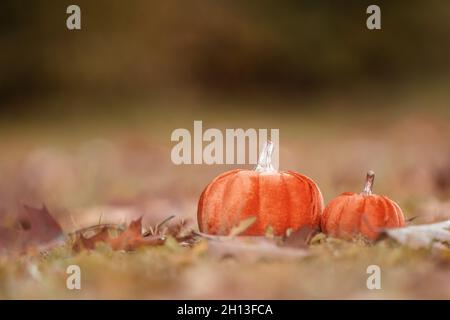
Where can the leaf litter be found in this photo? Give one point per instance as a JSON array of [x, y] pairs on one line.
[[37, 230]]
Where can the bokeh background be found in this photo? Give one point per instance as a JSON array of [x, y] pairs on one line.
[[86, 116]]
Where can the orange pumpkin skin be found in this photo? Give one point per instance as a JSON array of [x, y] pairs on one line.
[[360, 213], [282, 200]]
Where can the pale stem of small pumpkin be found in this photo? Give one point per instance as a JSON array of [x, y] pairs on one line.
[[369, 183], [265, 159]]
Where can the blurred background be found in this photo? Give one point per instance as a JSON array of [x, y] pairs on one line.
[[86, 116]]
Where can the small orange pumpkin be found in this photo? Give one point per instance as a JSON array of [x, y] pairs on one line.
[[283, 200], [361, 213]]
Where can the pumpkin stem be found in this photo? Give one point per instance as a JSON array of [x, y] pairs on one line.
[[265, 159], [369, 183]]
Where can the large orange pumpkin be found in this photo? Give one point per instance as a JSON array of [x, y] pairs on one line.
[[363, 213], [282, 200]]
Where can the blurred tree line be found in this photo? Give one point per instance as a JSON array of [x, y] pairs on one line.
[[222, 46]]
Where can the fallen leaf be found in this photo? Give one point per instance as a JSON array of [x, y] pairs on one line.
[[300, 238], [8, 238], [269, 233], [82, 242], [38, 226], [242, 226], [37, 229], [420, 236], [253, 249], [132, 238], [318, 238]]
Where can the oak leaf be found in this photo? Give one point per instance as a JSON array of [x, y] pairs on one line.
[[129, 239], [82, 242], [38, 226], [132, 238], [36, 229]]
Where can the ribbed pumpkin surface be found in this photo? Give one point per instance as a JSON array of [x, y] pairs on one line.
[[282, 200], [356, 213]]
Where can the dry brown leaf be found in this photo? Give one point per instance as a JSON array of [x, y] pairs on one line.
[[37, 229], [40, 226], [132, 237], [182, 233], [300, 238], [8, 238], [81, 242]]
